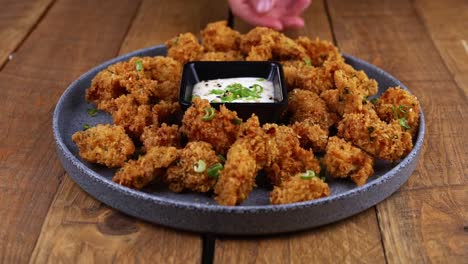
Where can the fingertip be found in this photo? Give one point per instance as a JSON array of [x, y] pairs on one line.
[[296, 22]]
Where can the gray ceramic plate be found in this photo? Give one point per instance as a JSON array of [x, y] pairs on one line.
[[199, 212]]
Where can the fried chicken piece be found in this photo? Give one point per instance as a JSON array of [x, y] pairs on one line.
[[131, 115], [286, 157], [399, 104], [343, 160], [182, 175], [306, 105], [184, 48], [319, 51], [217, 36], [166, 112], [262, 43], [137, 174], [105, 87], [245, 158], [311, 135], [220, 130], [381, 140], [163, 136], [297, 189], [104, 144], [352, 89], [221, 56], [302, 75]]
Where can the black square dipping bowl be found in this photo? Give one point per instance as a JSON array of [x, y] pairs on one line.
[[267, 112]]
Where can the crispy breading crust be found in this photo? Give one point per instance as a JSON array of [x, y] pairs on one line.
[[381, 140], [104, 144], [132, 116], [182, 175], [245, 158], [221, 131], [311, 135], [296, 189], [221, 56], [217, 36], [343, 160], [184, 48], [137, 174], [397, 103], [163, 136], [306, 105]]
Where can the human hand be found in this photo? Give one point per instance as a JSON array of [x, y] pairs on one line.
[[276, 14]]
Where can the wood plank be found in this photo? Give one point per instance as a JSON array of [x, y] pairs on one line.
[[446, 23], [426, 226], [156, 23], [64, 44], [390, 35], [354, 240], [315, 23], [16, 21], [81, 228]]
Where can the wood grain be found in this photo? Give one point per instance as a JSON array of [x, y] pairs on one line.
[[354, 240], [446, 22], [17, 20], [81, 228], [158, 22], [63, 45], [426, 226]]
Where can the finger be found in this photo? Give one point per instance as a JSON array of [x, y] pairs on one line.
[[292, 22], [245, 12], [262, 6], [298, 6]]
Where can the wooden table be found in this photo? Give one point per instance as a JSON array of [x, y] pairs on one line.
[[47, 218]]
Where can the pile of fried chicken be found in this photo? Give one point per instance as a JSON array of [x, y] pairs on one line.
[[330, 115]]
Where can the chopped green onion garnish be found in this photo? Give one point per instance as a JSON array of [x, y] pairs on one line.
[[395, 112], [404, 123], [86, 126], [209, 114], [92, 111], [402, 109], [217, 91], [236, 121], [200, 166], [309, 174], [308, 62], [260, 79], [213, 171], [139, 65], [373, 100], [323, 178], [221, 158], [257, 88]]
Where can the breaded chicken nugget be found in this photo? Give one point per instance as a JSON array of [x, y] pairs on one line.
[[163, 136], [286, 157], [192, 171], [104, 144], [399, 104], [201, 122], [344, 160], [184, 48], [217, 36], [311, 135], [245, 158], [166, 112], [381, 140], [221, 56], [137, 174], [131, 115], [105, 87], [319, 50], [306, 105], [298, 189]]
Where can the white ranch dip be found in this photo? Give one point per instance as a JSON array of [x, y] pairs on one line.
[[235, 90]]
